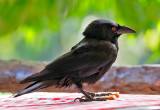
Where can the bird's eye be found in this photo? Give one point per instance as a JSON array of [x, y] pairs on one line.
[[113, 28]]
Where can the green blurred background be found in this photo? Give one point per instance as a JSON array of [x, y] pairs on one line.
[[41, 30]]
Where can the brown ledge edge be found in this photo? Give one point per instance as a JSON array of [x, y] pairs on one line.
[[144, 79]]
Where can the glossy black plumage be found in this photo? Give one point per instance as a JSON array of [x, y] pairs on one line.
[[86, 62]]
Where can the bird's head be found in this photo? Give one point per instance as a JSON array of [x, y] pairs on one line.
[[106, 30]]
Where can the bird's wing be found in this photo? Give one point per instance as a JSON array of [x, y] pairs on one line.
[[80, 62]]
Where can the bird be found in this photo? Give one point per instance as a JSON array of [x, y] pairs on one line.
[[86, 62]]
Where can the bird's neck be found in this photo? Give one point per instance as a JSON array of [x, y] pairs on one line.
[[116, 44]]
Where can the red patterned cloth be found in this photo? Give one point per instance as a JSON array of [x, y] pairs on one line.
[[57, 101]]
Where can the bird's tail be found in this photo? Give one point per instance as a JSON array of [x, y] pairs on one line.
[[36, 86]]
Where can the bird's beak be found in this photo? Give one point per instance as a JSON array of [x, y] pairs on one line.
[[124, 29]]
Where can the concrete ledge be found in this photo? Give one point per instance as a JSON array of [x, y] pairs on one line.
[[143, 79]]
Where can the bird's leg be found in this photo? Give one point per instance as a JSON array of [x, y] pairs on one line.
[[92, 94], [80, 90], [86, 94]]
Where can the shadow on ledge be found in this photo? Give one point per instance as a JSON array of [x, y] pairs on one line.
[[131, 80]]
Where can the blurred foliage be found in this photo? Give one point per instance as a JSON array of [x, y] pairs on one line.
[[43, 29], [5, 93]]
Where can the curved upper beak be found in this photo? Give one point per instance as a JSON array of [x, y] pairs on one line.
[[124, 29]]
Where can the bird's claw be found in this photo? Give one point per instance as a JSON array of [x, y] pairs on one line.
[[101, 94], [79, 98], [89, 100]]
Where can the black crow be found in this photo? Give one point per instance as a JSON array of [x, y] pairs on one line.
[[86, 62]]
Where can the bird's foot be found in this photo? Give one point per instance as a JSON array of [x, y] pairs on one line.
[[83, 99], [103, 94]]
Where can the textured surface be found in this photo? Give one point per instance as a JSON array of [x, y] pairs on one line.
[[50, 101], [133, 80]]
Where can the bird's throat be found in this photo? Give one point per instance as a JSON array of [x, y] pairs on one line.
[[116, 44]]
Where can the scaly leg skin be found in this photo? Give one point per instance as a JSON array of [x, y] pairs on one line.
[[87, 95], [101, 94], [88, 100]]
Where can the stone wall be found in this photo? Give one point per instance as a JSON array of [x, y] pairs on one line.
[[132, 79]]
